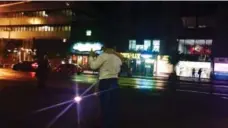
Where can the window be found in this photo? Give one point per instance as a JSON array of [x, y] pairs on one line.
[[147, 45], [69, 28], [65, 28], [132, 45], [39, 28], [156, 46], [51, 29], [36, 29]]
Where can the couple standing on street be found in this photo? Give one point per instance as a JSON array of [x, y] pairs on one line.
[[109, 65]]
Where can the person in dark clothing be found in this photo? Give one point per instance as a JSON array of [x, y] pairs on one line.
[[42, 71], [193, 72], [199, 73]]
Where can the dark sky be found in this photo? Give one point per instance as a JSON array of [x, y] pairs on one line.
[[121, 21]]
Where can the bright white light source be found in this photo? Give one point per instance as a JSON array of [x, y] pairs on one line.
[[88, 32], [77, 99], [87, 46], [64, 40], [63, 62], [146, 56]]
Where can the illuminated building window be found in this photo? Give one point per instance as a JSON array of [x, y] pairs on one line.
[[40, 28], [132, 45], [147, 45], [69, 28], [65, 28], [156, 45], [51, 29], [36, 29]]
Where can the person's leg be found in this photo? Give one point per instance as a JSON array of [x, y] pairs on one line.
[[114, 103], [104, 102]]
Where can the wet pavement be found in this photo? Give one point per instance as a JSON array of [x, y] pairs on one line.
[[144, 103]]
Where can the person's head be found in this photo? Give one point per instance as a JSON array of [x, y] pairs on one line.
[[107, 46]]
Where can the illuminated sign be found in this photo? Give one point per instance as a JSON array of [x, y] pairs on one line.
[[83, 47], [131, 55]]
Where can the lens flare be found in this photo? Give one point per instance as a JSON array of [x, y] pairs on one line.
[[77, 99]]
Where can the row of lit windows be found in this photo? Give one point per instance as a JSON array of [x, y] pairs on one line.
[[37, 28], [66, 12]]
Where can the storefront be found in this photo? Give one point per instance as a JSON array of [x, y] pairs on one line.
[[80, 52], [141, 64], [185, 69], [163, 67]]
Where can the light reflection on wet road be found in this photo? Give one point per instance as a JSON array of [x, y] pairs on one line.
[[63, 81]]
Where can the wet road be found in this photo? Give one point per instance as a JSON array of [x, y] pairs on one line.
[[143, 107], [69, 82]]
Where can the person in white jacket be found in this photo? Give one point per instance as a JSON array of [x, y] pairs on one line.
[[109, 65]]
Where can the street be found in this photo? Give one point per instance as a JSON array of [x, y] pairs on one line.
[[143, 102]]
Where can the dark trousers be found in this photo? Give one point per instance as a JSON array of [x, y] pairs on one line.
[[109, 102]]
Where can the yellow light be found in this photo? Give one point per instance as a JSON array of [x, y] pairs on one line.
[[131, 55], [35, 21]]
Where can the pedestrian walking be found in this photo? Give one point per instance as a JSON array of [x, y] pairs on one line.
[[199, 73], [193, 72], [42, 71], [109, 65]]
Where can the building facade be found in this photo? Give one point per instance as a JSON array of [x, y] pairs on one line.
[[43, 26], [196, 40]]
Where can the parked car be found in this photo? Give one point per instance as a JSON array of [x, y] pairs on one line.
[[69, 69], [27, 66]]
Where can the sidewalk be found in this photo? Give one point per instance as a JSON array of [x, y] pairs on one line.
[[183, 79], [165, 78]]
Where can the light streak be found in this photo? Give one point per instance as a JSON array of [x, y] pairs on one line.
[[53, 106], [58, 116], [15, 3], [96, 93], [77, 99], [91, 86]]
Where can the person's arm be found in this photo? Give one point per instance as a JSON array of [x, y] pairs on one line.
[[96, 63]]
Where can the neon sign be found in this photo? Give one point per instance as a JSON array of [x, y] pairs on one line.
[[131, 55]]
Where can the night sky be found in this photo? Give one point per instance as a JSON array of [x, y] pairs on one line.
[[117, 22]]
